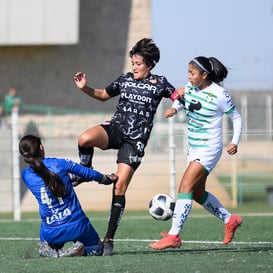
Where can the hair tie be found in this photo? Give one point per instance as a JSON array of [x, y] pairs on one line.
[[211, 64]]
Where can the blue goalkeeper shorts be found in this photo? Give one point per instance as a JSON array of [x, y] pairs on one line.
[[81, 230]]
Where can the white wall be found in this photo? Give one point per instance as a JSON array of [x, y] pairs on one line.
[[39, 22]]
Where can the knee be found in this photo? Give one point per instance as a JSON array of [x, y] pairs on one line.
[[83, 140]]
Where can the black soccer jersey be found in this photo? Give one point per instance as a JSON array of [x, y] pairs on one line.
[[138, 103]]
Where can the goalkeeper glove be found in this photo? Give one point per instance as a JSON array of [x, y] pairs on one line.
[[108, 179]]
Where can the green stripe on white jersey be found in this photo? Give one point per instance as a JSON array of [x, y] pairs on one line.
[[205, 109]]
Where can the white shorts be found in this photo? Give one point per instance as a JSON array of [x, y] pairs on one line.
[[208, 158]]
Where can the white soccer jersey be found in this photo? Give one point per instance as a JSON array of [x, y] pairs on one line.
[[204, 110]]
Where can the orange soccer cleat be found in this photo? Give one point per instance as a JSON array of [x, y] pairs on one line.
[[230, 227], [167, 241]]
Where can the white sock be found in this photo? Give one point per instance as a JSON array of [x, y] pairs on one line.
[[213, 205], [181, 212]]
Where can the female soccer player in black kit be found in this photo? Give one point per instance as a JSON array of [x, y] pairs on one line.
[[140, 93]]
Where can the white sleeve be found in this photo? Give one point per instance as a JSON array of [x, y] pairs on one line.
[[177, 105], [237, 122]]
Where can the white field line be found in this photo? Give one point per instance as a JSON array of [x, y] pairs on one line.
[[148, 240], [258, 214]]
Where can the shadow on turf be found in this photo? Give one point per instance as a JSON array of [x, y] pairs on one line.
[[198, 251], [30, 255]]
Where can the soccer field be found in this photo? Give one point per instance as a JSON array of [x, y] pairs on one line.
[[201, 251]]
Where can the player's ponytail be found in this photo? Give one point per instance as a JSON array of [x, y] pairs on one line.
[[32, 151], [219, 71]]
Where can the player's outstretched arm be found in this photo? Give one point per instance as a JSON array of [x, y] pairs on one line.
[[80, 80], [109, 179]]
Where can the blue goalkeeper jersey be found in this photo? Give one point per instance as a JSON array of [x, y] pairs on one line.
[[54, 211]]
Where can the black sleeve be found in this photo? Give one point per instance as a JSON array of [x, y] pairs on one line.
[[113, 89], [169, 88]]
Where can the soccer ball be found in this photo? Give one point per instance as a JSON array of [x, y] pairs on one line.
[[161, 207]]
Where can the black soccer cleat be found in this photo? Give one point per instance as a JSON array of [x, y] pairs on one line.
[[108, 245]]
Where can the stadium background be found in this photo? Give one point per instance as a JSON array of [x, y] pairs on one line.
[[53, 108]]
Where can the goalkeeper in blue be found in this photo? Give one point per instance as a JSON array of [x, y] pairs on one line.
[[63, 219], [205, 102]]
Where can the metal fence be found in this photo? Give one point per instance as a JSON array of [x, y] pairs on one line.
[[163, 164]]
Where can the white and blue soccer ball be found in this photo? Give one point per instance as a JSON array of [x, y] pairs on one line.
[[161, 207]]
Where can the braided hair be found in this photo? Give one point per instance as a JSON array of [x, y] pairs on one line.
[[31, 149], [147, 49], [216, 71]]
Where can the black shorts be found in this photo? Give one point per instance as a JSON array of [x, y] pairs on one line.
[[130, 151]]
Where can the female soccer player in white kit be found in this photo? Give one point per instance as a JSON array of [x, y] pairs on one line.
[[205, 101]]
